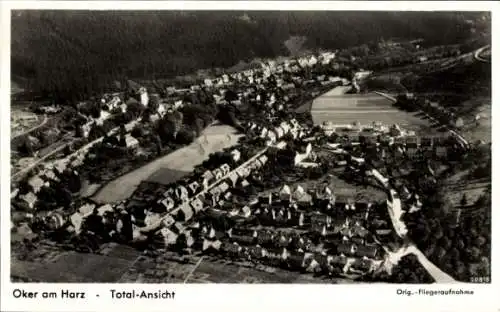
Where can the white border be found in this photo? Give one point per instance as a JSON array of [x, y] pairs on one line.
[[237, 297]]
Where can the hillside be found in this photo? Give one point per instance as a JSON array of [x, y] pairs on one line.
[[81, 52]]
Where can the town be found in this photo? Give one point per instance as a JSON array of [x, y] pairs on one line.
[[308, 168]]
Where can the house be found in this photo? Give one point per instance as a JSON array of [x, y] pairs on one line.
[[264, 237], [86, 209], [362, 207], [369, 251], [30, 199], [185, 213], [299, 192], [50, 175], [295, 260], [282, 240], [218, 174], [207, 178], [214, 194], [412, 150], [105, 208], [168, 221], [279, 132], [233, 178], [36, 183], [271, 136], [285, 193], [186, 239], [143, 93], [231, 249], [346, 249], [197, 205], [60, 166], [211, 245], [276, 256], [361, 266], [320, 219], [236, 155], [178, 227], [223, 187], [243, 172], [441, 151], [181, 193], [245, 212], [225, 169], [243, 239], [228, 196], [167, 203], [193, 187], [169, 193], [169, 237], [256, 252], [426, 142]]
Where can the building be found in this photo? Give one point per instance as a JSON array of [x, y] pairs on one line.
[[181, 193], [197, 205], [207, 178], [36, 184], [131, 142], [29, 199], [185, 213]]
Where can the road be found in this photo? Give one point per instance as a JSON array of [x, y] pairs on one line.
[[477, 54], [394, 257], [22, 172], [45, 119], [85, 148]]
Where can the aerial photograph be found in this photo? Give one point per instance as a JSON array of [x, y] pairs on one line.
[[290, 147]]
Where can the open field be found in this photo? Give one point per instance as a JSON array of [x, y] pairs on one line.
[[126, 265], [364, 108], [213, 139], [483, 130]]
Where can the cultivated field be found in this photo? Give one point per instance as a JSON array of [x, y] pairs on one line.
[[213, 139], [127, 265], [365, 109]]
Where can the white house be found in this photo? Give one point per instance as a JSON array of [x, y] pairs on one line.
[[143, 93]]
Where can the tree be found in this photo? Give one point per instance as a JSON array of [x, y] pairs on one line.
[[185, 136], [463, 201], [198, 126], [167, 129]]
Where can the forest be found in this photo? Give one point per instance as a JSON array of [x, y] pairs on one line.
[[93, 49]]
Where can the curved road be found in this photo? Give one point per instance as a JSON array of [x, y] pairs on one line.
[[477, 54]]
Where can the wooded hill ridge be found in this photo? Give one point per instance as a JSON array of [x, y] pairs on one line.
[[84, 51]]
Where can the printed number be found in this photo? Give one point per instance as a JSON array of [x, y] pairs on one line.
[[480, 279]]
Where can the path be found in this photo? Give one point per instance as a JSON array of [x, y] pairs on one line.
[[192, 270]]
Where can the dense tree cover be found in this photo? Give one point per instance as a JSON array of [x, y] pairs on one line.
[[459, 242], [407, 271], [95, 49], [470, 79]]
